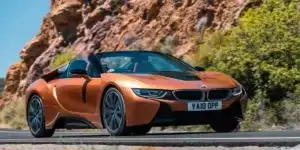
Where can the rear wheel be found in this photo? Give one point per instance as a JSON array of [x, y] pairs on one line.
[[36, 119], [113, 113]]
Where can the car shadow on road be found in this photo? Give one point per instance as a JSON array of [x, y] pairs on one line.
[[155, 134]]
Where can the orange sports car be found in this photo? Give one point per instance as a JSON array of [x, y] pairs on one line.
[[128, 92]]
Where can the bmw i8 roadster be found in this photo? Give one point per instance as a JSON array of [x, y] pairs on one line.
[[128, 92]]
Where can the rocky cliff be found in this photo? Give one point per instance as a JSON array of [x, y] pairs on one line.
[[113, 25]]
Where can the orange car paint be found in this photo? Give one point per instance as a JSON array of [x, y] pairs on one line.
[[63, 97]]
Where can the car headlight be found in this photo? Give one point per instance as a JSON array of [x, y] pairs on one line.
[[150, 93], [237, 91]]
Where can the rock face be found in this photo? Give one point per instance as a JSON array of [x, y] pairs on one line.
[[113, 25]]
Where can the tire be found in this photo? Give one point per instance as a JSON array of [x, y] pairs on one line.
[[36, 119], [113, 113], [141, 130], [227, 125]]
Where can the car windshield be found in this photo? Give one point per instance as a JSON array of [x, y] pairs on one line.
[[141, 62]]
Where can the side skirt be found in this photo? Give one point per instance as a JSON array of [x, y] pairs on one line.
[[73, 123]]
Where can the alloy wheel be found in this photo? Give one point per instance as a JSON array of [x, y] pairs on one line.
[[113, 111], [35, 115]]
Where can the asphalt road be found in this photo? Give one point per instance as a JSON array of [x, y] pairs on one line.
[[264, 138]]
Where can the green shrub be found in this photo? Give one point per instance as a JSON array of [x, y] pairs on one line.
[[262, 54], [62, 58]]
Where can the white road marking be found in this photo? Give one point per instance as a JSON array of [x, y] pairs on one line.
[[59, 137], [14, 131], [217, 138], [158, 139]]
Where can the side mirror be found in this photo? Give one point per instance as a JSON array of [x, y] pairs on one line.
[[199, 68], [78, 67]]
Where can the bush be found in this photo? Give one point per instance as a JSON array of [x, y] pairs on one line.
[[166, 45], [136, 45], [13, 114], [62, 58], [262, 54]]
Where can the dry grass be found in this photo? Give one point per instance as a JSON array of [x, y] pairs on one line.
[[198, 128], [13, 114], [146, 148], [166, 45], [189, 60], [204, 50]]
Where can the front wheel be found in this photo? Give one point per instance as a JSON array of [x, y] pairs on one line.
[[113, 113], [36, 119]]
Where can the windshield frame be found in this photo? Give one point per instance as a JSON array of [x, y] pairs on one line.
[[163, 55]]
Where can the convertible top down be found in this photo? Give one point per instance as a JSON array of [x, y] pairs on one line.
[[128, 92]]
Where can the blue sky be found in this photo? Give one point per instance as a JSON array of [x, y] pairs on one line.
[[20, 21]]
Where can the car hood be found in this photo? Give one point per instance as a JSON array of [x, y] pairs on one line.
[[189, 80]]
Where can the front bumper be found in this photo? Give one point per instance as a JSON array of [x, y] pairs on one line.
[[166, 117], [141, 111]]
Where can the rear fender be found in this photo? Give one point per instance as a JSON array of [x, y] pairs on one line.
[[41, 88]]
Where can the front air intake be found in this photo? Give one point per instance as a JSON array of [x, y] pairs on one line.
[[189, 95], [219, 94]]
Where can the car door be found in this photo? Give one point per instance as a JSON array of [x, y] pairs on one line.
[[69, 90], [92, 88], [69, 94]]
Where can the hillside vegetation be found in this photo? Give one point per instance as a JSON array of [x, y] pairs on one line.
[[65, 56], [262, 53]]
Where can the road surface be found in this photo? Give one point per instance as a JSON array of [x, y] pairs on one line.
[[263, 138]]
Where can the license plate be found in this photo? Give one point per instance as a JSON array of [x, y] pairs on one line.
[[204, 106]]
